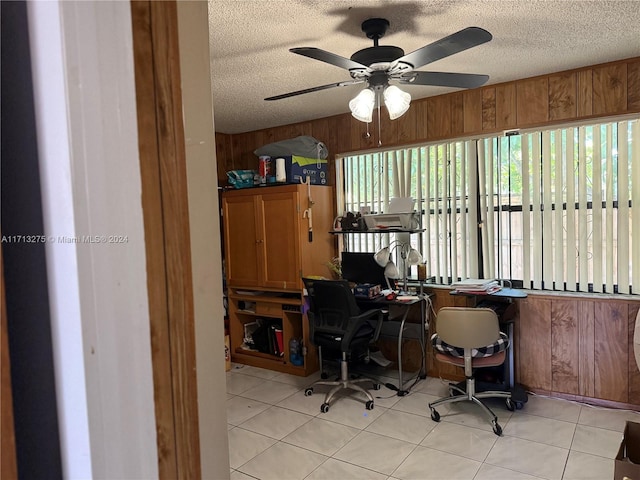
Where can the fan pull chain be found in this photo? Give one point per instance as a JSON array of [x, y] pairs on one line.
[[379, 126]]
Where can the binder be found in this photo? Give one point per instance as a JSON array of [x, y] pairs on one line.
[[272, 340], [279, 341]]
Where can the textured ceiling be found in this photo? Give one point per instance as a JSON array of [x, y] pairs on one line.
[[250, 42]]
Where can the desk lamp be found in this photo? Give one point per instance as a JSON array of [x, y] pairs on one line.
[[408, 254]]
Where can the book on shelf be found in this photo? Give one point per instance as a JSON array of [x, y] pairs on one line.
[[279, 341], [276, 344], [265, 337]]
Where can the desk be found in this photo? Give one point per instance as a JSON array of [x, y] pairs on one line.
[[504, 295], [383, 303]]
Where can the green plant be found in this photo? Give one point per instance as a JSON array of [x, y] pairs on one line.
[[335, 267]]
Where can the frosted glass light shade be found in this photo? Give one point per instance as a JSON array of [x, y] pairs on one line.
[[396, 100], [382, 257], [414, 257], [391, 271], [361, 105]]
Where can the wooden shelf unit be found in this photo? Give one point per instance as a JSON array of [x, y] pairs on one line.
[[270, 304]]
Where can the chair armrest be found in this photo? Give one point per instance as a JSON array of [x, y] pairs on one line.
[[355, 323], [378, 314]]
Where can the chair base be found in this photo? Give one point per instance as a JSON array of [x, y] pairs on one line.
[[344, 383], [470, 395]]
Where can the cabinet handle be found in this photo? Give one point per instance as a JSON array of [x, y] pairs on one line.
[[260, 241]]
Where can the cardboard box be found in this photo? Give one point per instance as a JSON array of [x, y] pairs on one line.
[[366, 290], [627, 462], [299, 168]]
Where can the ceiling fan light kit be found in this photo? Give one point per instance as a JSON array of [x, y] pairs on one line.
[[379, 65], [362, 105], [396, 101]]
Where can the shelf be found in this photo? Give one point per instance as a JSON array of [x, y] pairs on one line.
[[268, 297], [377, 230], [246, 305], [265, 360], [256, 353]]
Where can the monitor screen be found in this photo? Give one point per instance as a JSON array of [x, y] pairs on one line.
[[361, 267]]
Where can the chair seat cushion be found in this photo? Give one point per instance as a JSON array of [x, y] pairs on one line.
[[333, 341], [492, 361], [487, 351]]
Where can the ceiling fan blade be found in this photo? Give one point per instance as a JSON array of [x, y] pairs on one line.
[[454, 43], [314, 89], [328, 57], [444, 79]]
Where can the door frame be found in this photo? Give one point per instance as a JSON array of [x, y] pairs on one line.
[[167, 239]]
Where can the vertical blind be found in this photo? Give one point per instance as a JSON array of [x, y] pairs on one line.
[[548, 210]]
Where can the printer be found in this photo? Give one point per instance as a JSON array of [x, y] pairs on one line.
[[400, 216]]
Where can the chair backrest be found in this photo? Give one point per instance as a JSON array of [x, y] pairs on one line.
[[332, 304], [467, 327]]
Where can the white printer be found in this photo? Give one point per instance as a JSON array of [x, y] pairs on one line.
[[399, 215]]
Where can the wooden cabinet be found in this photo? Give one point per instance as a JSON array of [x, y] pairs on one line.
[[266, 233], [269, 247]]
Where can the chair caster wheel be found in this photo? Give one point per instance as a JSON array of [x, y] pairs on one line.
[[324, 408], [435, 416], [308, 392], [376, 386], [369, 405], [511, 406], [497, 429], [519, 405], [324, 376]]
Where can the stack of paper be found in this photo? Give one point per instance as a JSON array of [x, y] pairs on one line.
[[476, 286]]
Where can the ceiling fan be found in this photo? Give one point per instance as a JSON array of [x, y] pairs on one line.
[[378, 65]]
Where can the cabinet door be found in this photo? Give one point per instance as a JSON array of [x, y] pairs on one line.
[[280, 255], [241, 241]]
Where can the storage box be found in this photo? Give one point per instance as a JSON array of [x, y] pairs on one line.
[[366, 290], [299, 168], [627, 463], [242, 178]]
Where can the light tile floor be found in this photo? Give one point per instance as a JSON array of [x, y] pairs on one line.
[[275, 432]]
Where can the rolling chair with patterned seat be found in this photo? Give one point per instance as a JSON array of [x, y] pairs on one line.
[[470, 338]]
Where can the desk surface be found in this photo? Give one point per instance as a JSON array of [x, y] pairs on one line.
[[382, 300]]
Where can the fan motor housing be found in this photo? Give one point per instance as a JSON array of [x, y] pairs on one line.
[[379, 54]]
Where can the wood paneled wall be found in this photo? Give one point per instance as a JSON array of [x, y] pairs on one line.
[[578, 347], [580, 94]]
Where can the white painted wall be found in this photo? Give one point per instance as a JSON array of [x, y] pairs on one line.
[[82, 60], [204, 220]]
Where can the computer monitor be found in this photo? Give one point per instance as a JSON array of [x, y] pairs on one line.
[[361, 267]]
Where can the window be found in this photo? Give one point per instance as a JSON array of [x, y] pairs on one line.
[[549, 210]]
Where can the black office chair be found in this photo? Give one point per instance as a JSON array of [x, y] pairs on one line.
[[338, 325]]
